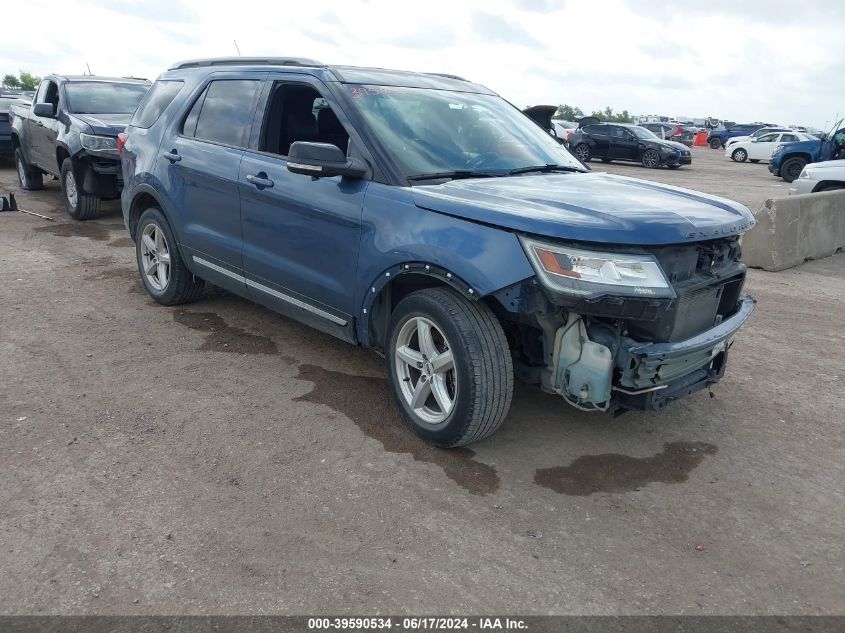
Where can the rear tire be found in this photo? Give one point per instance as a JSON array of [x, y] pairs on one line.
[[29, 177], [163, 272], [715, 143], [582, 152], [476, 382], [78, 205], [791, 168], [739, 155]]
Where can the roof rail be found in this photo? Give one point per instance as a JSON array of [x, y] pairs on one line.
[[246, 61], [448, 76]]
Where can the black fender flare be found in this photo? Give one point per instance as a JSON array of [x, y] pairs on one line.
[[375, 288]]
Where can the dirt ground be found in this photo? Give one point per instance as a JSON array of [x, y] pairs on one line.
[[218, 458]]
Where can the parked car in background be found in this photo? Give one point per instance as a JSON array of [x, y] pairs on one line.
[[762, 147], [622, 141], [425, 217], [757, 134], [672, 132], [718, 138], [6, 103], [789, 159], [564, 129], [70, 131], [826, 176]]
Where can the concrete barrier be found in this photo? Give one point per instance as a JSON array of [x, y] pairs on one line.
[[792, 230]]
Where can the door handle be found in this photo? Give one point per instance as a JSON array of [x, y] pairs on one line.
[[172, 156], [260, 180]]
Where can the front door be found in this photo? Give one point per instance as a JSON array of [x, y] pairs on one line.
[[43, 131], [763, 146], [301, 235], [199, 161]]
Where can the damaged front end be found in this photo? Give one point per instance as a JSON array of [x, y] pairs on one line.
[[626, 329]]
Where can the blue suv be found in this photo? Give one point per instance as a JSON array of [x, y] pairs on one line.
[[425, 217]]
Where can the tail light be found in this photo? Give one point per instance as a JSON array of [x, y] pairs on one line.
[[678, 131], [121, 141]]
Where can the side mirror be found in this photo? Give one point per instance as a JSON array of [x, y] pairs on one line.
[[323, 160], [44, 110]]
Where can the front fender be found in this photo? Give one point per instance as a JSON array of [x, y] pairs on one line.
[[397, 233]]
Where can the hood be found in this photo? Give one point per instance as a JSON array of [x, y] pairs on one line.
[[106, 124], [737, 139], [673, 144], [589, 207]]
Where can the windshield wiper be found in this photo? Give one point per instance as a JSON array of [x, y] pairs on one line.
[[545, 169], [454, 175]]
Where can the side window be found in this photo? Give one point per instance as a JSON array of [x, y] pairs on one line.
[[788, 138], [155, 102], [298, 112], [596, 131], [48, 92], [620, 134], [768, 138], [223, 112]]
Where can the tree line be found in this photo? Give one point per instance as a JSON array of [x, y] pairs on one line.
[[22, 81], [567, 112]]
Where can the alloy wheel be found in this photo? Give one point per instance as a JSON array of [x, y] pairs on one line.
[[155, 256], [70, 189], [651, 159], [21, 172], [582, 152], [425, 369], [740, 155]]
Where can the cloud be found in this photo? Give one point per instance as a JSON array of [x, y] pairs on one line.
[[496, 29], [539, 6], [430, 37], [151, 10]]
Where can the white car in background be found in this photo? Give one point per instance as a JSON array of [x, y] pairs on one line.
[[825, 176], [762, 147], [757, 134]]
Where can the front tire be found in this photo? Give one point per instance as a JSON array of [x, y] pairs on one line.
[[78, 205], [791, 168], [29, 177], [651, 159], [739, 155], [715, 143], [449, 367], [163, 272]]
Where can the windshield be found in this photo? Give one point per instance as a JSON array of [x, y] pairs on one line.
[[641, 132], [101, 97], [439, 131]]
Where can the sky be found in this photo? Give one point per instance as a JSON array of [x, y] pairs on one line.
[[743, 60]]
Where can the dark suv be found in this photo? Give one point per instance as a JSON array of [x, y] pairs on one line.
[[620, 141], [425, 217]]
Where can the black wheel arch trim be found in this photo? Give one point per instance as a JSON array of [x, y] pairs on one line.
[[364, 318]]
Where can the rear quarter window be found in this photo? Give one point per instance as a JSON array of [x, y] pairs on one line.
[[155, 102]]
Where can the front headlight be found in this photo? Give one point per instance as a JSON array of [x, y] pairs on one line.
[[804, 173], [590, 274], [99, 144]]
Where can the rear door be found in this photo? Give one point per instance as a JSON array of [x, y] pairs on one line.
[[199, 162], [301, 235], [623, 143], [599, 140]]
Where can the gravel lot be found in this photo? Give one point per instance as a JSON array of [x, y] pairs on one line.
[[218, 458]]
